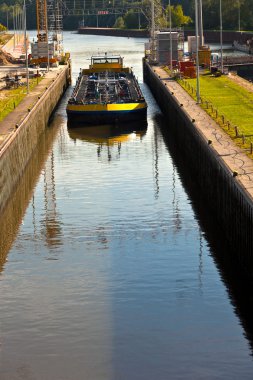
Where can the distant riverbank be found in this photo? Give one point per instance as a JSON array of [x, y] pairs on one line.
[[210, 36], [142, 33]]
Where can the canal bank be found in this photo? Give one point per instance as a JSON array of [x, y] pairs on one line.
[[222, 170], [142, 297], [210, 36], [21, 129], [238, 281], [114, 32], [21, 194]]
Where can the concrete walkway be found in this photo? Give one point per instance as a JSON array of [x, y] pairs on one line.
[[241, 81], [8, 124], [229, 154]]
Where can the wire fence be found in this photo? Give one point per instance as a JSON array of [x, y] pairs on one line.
[[33, 103], [243, 140]]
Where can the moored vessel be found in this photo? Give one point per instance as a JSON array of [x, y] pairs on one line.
[[246, 46], [106, 92]]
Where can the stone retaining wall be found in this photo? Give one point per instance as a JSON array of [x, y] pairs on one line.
[[16, 153], [222, 192]]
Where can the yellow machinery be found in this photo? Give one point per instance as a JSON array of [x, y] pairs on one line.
[[205, 57]]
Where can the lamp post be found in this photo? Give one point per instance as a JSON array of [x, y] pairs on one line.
[[17, 25], [16, 22], [197, 49], [14, 26], [221, 42], [83, 11], [25, 45], [153, 55], [239, 16], [201, 38], [170, 37]]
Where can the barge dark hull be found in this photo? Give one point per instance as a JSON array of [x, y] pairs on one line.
[[101, 118]]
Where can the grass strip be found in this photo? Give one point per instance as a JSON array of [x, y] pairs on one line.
[[229, 104], [14, 96]]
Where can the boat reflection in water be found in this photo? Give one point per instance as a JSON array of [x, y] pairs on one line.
[[108, 137]]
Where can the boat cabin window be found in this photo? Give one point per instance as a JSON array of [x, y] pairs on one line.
[[102, 60]]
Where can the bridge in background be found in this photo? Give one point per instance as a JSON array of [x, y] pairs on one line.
[[103, 7]]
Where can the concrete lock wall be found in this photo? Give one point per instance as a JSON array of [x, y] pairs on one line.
[[17, 152], [223, 195]]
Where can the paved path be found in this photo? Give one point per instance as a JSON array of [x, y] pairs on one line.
[[232, 156], [8, 124]]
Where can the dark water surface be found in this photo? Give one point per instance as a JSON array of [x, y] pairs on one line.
[[106, 273]]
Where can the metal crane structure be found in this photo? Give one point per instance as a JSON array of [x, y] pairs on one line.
[[54, 16], [48, 48], [42, 27]]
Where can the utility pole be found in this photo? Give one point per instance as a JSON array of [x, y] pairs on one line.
[[171, 66], [197, 49], [83, 11], [221, 40], [25, 43], [14, 26], [152, 30], [239, 16], [201, 37]]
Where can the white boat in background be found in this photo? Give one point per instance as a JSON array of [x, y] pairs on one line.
[[246, 47]]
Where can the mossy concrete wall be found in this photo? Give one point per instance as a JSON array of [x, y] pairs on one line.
[[16, 153], [223, 194]]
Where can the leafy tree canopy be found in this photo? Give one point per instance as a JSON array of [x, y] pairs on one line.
[[234, 13], [2, 28], [177, 16], [119, 23]]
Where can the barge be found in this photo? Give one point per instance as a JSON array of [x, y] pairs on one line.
[[106, 93]]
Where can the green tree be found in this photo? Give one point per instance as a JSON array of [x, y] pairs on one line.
[[177, 16], [119, 23], [7, 9], [160, 17], [131, 20], [246, 14], [211, 18], [2, 28]]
